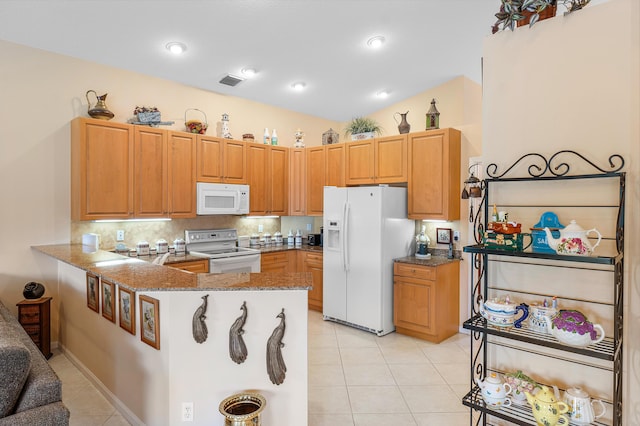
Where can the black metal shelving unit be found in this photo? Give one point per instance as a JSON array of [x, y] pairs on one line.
[[543, 169]]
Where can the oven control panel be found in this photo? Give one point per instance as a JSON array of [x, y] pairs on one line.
[[210, 235]]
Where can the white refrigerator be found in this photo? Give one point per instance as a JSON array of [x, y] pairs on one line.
[[365, 228]]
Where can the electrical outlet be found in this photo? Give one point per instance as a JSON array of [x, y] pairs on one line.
[[187, 411], [260, 228], [456, 235], [120, 235], [308, 227]]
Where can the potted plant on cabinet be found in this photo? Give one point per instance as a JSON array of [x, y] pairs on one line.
[[362, 128], [519, 12]]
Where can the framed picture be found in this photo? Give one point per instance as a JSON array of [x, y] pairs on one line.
[[127, 309], [93, 297], [150, 321], [107, 293], [443, 235]]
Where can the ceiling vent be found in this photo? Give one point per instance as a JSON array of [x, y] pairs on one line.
[[230, 80]]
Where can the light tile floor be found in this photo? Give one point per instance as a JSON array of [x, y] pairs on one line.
[[355, 378]]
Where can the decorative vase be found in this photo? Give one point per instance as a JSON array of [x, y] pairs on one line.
[[33, 290], [403, 125], [100, 110]]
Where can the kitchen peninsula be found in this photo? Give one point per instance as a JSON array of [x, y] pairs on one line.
[[148, 385]]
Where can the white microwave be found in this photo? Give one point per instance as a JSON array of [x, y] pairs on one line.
[[222, 198]]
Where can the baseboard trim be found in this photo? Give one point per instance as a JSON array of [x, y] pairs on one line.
[[122, 409]]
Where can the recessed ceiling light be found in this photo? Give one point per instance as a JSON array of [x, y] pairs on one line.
[[299, 86], [176, 47], [383, 94], [375, 42], [248, 72]]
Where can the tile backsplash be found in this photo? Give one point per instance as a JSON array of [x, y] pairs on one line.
[[151, 231]]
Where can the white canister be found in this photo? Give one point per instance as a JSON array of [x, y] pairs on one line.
[[162, 246], [277, 238], [290, 240], [254, 240], [267, 239], [142, 248], [298, 238], [179, 245]]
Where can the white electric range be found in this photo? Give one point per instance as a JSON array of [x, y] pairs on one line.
[[219, 245]]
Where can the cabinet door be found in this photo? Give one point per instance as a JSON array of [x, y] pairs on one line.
[[209, 157], [334, 165], [150, 172], [101, 170], [279, 261], [235, 162], [182, 174], [391, 159], [278, 180], [258, 177], [434, 175], [359, 158], [413, 302], [312, 262], [297, 182], [315, 180]]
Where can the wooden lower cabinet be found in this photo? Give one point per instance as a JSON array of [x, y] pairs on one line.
[[278, 261], [35, 317], [312, 262], [426, 300], [195, 266]]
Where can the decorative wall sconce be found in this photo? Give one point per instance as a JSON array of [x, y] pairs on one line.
[[433, 116]]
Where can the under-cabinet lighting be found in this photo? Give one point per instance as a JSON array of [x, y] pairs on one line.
[[159, 219], [434, 220], [118, 262], [261, 217]]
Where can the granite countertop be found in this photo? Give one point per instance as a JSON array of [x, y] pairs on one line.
[[434, 261], [140, 275], [285, 247]]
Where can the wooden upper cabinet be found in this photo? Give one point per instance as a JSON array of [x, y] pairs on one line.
[[258, 176], [150, 172], [221, 160], [235, 161], [380, 160], [297, 182], [315, 180], [182, 174], [391, 159], [434, 175], [279, 180], [334, 164], [101, 170], [268, 179], [359, 160]]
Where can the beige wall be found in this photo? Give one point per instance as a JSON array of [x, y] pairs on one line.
[[43, 92], [573, 82]]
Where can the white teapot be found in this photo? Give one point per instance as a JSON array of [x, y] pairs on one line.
[[581, 408], [573, 240], [494, 391]]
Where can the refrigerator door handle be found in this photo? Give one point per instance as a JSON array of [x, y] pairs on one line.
[[345, 242]]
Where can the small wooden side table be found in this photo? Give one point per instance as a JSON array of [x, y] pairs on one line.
[[35, 317]]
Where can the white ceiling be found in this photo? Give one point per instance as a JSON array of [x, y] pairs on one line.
[[320, 42]]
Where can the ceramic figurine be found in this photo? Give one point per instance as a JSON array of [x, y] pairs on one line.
[[225, 127], [299, 139]]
